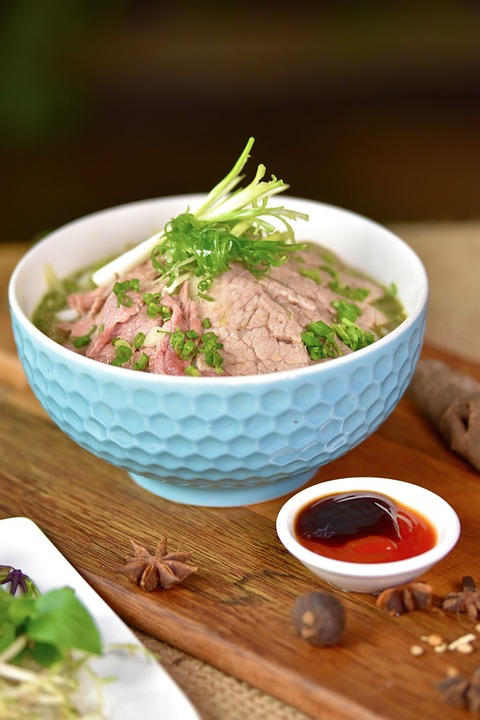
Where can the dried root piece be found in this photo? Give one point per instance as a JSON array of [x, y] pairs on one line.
[[461, 691], [162, 569], [467, 601], [403, 598], [319, 618], [451, 401]]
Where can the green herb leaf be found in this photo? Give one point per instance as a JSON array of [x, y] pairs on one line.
[[61, 620]]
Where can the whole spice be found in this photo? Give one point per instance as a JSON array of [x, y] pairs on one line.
[[162, 569], [319, 618], [403, 598], [451, 401], [467, 601], [461, 691]]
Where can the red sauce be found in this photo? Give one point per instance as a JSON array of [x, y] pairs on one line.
[[363, 527]]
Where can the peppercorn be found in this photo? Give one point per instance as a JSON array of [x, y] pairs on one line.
[[319, 618]]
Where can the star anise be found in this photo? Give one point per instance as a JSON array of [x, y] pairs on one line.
[[403, 598], [461, 691], [162, 569], [467, 601]]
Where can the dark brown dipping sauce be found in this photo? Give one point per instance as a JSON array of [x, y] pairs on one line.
[[363, 527]]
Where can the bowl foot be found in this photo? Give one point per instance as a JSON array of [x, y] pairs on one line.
[[222, 496]]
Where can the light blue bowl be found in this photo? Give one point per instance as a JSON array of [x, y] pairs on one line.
[[220, 441]]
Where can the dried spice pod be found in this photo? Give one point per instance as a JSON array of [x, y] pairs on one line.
[[161, 569], [461, 691], [467, 601], [403, 598], [451, 401], [319, 618]]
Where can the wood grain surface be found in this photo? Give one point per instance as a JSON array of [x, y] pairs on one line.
[[235, 612]]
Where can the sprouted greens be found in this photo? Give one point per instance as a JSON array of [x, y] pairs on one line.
[[232, 225], [46, 641]]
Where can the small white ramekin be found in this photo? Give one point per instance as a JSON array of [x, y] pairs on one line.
[[372, 577]]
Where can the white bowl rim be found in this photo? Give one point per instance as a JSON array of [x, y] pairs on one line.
[[450, 522], [265, 378]]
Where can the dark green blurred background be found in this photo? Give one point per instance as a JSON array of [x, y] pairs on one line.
[[374, 106]]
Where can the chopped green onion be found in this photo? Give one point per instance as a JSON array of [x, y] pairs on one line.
[[319, 339], [123, 352], [83, 340], [121, 288], [138, 340], [183, 346], [312, 274], [210, 345], [349, 292], [141, 363], [346, 309], [353, 336]]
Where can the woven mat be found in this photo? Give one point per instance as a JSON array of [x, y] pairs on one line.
[[217, 696]]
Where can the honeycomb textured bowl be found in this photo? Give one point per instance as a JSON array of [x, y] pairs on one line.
[[219, 441]]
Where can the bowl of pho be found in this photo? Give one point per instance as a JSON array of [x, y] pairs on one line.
[[220, 347]]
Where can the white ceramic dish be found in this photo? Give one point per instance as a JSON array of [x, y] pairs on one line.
[[143, 689], [372, 577]]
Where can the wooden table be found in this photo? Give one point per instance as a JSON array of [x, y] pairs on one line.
[[234, 614]]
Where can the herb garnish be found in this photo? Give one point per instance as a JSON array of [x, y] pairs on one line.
[[233, 225], [187, 345], [40, 634], [319, 338], [124, 352], [83, 340], [347, 291], [121, 289], [346, 309]]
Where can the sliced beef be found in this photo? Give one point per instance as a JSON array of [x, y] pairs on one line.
[[258, 321]]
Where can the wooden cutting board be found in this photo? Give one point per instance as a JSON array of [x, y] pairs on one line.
[[235, 612]]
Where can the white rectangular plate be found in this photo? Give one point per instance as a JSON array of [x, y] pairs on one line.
[[142, 688]]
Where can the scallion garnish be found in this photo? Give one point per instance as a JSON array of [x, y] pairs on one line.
[[141, 363], [312, 274], [347, 291], [320, 338], [232, 225], [346, 309], [121, 289], [138, 340], [353, 336], [124, 352], [83, 340]]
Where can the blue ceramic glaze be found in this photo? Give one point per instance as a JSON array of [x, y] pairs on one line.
[[218, 441]]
